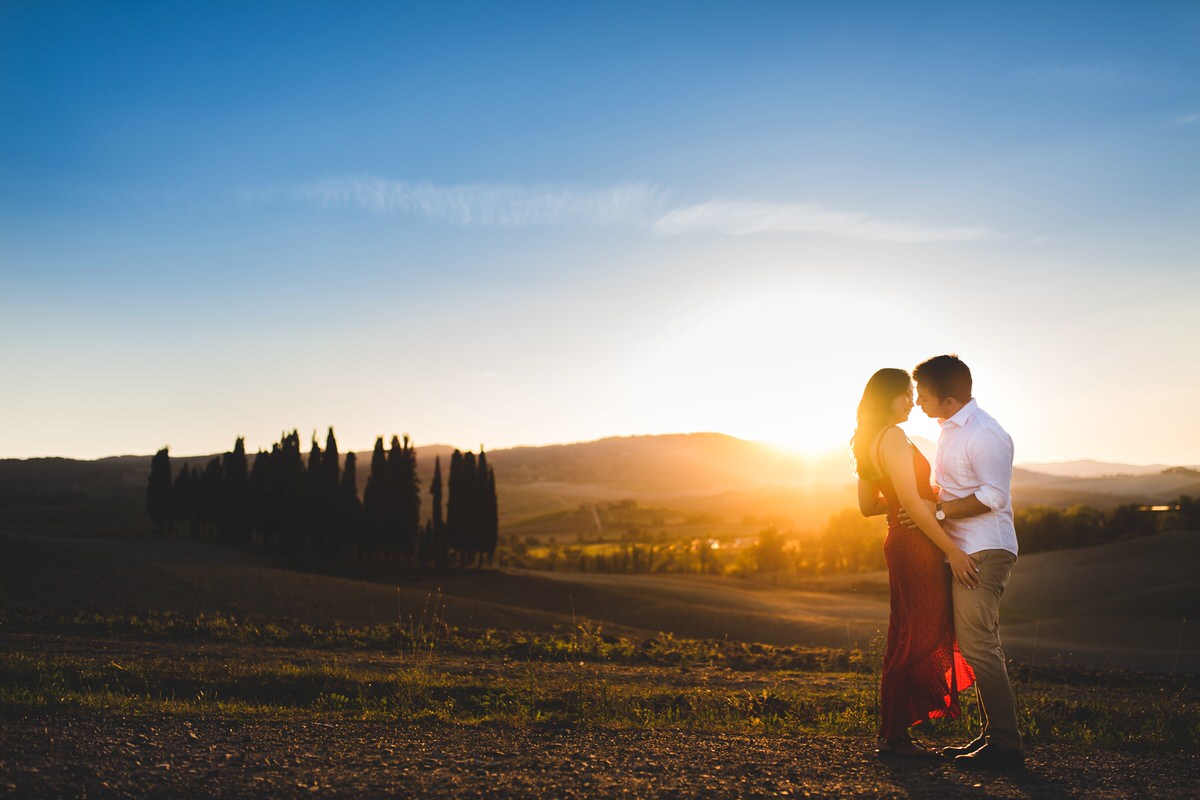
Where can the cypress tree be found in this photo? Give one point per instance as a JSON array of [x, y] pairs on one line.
[[395, 514], [470, 489], [258, 498], [158, 491], [209, 502], [375, 500], [455, 511], [273, 497], [314, 505], [349, 510], [235, 485], [327, 491], [182, 504], [437, 527], [405, 497], [411, 487], [331, 461], [488, 509], [290, 480], [314, 457]]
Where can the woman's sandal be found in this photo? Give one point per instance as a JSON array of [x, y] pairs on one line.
[[904, 748]]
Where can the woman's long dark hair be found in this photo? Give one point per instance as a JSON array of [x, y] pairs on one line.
[[874, 414]]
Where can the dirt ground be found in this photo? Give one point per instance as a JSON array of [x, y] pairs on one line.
[[79, 754]]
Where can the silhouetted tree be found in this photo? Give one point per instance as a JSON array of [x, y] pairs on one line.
[[437, 527], [328, 504], [183, 501], [375, 502], [208, 505], [472, 515], [305, 509], [349, 524], [288, 475], [314, 499], [404, 499], [488, 510], [235, 511], [456, 509], [470, 483], [158, 491], [259, 492]]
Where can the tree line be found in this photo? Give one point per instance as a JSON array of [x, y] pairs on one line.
[[308, 509], [849, 543], [1042, 528]]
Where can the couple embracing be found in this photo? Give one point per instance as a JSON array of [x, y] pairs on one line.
[[949, 549]]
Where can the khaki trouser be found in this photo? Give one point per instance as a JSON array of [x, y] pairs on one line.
[[977, 626]]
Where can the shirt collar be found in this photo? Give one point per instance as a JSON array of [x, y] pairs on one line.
[[963, 416]]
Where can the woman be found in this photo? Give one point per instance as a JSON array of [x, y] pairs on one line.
[[923, 671]]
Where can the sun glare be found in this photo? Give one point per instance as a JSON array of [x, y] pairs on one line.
[[783, 367]]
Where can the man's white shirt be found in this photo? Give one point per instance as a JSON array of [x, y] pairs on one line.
[[975, 457]]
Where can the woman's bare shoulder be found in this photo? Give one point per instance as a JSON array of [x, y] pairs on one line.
[[892, 437], [884, 440]]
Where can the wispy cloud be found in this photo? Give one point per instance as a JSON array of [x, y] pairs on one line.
[[633, 205], [481, 204], [1188, 119], [746, 217]]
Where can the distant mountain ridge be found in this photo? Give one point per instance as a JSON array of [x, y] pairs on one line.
[[1087, 468], [694, 474]]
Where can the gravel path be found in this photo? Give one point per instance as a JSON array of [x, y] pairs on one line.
[[80, 755]]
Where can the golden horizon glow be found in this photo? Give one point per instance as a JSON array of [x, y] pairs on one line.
[[785, 367]]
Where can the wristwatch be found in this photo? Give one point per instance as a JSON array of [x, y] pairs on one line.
[[939, 515]]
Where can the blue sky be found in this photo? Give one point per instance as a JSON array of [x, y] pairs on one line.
[[527, 223]]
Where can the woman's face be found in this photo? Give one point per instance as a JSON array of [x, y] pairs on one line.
[[902, 405]]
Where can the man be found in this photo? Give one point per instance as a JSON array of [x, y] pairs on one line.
[[973, 470]]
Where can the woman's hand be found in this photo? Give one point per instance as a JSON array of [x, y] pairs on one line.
[[963, 568]]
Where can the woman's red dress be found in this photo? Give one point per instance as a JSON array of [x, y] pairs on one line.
[[923, 672]]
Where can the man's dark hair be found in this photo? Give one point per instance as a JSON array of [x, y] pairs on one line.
[[945, 376]]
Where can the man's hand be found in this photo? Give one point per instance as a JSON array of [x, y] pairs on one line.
[[907, 521]]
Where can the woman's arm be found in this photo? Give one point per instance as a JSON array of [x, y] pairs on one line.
[[898, 464], [870, 503]]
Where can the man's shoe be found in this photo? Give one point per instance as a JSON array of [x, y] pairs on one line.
[[954, 752], [992, 757]]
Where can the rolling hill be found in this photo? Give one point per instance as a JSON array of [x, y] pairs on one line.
[[732, 483], [1124, 604], [1087, 468]]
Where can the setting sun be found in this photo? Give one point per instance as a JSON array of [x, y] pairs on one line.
[[784, 366]]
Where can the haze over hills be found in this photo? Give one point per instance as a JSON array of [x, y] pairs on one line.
[[1087, 468], [722, 478]]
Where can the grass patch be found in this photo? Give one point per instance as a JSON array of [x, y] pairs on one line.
[[428, 671], [424, 636]]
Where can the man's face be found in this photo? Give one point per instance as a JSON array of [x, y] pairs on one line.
[[934, 407]]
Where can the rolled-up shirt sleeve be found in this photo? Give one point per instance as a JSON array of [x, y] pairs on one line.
[[991, 455]]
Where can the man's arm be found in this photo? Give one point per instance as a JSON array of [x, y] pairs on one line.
[[991, 456], [964, 507], [953, 509]]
